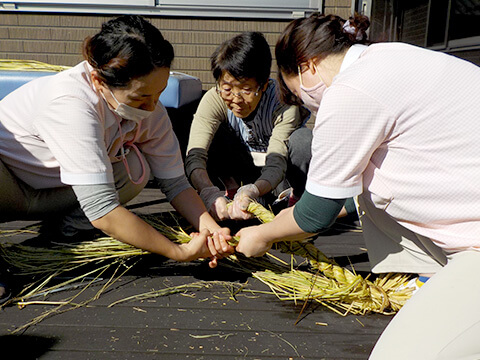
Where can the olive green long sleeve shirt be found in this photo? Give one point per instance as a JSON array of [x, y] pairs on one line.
[[273, 124]]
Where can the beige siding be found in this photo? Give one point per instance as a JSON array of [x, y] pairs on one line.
[[57, 38], [470, 55], [341, 8], [415, 23]]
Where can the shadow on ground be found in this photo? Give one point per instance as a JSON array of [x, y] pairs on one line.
[[26, 347]]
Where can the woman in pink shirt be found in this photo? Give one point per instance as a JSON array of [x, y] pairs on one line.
[[86, 140], [397, 127]]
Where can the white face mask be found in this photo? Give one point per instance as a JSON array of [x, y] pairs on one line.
[[312, 96], [128, 112]]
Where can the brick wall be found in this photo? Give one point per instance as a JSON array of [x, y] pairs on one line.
[[342, 8], [57, 38], [414, 27], [195, 40], [470, 55]]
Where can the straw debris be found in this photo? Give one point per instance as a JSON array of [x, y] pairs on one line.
[[29, 65], [80, 265]]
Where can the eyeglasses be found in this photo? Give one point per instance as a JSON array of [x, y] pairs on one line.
[[228, 94]]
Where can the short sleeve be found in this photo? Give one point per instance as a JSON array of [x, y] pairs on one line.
[[72, 130], [350, 126], [160, 146]]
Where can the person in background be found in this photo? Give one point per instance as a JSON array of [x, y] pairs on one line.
[[243, 141], [397, 126], [85, 141]]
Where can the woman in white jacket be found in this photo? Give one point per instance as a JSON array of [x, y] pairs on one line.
[[85, 141], [398, 127]]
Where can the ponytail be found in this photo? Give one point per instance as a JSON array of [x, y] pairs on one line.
[[126, 48], [316, 36]]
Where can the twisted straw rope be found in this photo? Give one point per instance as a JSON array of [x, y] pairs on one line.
[[384, 295]]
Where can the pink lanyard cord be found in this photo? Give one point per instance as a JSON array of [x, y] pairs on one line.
[[137, 151]]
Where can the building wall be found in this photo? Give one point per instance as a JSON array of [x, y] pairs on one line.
[[471, 55], [342, 8], [57, 38], [414, 27], [407, 21]]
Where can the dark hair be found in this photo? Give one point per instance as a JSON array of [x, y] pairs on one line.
[[126, 48], [315, 36], [244, 56]]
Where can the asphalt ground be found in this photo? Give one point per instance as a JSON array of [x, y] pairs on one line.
[[220, 314]]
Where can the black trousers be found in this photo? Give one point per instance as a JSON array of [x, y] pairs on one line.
[[229, 157]]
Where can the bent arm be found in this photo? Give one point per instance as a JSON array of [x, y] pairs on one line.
[[129, 228], [257, 240], [315, 213], [191, 207], [287, 120], [200, 179], [312, 214], [100, 204], [211, 112]]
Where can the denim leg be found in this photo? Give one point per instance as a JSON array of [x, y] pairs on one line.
[[300, 154]]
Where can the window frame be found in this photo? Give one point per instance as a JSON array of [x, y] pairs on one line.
[[265, 9], [467, 43]]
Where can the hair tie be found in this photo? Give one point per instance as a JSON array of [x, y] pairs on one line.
[[350, 29]]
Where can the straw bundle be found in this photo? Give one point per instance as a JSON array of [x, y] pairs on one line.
[[327, 283], [29, 65], [338, 287], [61, 266]]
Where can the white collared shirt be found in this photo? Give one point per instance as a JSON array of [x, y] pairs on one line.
[[57, 130], [400, 125], [352, 55]]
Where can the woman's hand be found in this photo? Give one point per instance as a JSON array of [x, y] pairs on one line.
[[206, 245], [252, 243], [215, 202], [196, 248], [223, 246], [218, 246], [218, 209], [244, 196]]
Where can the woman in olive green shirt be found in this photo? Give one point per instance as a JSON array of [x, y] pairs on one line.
[[242, 134]]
